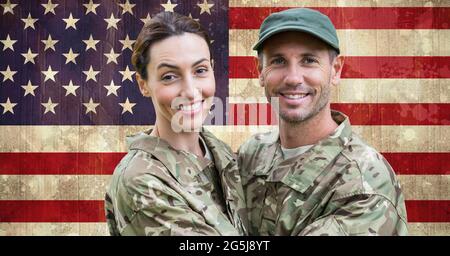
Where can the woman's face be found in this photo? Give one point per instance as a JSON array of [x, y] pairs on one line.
[[180, 81]]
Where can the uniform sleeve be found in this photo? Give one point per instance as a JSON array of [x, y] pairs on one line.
[[360, 215], [159, 210]]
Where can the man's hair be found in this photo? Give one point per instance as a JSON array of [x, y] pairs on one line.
[[332, 53], [162, 26]]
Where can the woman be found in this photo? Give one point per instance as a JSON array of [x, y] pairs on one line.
[[177, 179]]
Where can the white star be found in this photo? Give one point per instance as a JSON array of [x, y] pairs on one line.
[[90, 43], [8, 43], [90, 7], [49, 7], [127, 74], [70, 56], [146, 19], [8, 74], [71, 22], [29, 88], [71, 89], [49, 43], [127, 43], [112, 22], [29, 22], [49, 74], [112, 88], [8, 106], [112, 57], [168, 7], [8, 7], [29, 56], [127, 106], [90, 106], [49, 106], [127, 7], [90, 74], [205, 7]]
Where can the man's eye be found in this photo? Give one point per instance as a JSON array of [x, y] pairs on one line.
[[309, 60], [277, 61]]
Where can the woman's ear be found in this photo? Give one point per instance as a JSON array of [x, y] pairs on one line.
[[143, 86]]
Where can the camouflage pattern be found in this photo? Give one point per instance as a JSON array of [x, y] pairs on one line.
[[158, 190], [340, 186]]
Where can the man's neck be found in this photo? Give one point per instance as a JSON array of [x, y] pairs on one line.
[[187, 141], [308, 132]]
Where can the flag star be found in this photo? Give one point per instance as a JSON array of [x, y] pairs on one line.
[[127, 7], [112, 88], [127, 43], [90, 43], [8, 43], [168, 7], [49, 74], [90, 7], [29, 22], [112, 56], [71, 89], [147, 19], [29, 88], [127, 74], [112, 22], [49, 7], [8, 106], [71, 22], [8, 74], [90, 106], [70, 56], [190, 16], [49, 43], [90, 74], [49, 106], [127, 106], [205, 7], [8, 7]]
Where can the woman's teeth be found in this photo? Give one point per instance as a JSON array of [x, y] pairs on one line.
[[192, 107]]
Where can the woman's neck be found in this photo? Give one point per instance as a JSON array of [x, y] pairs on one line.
[[186, 141]]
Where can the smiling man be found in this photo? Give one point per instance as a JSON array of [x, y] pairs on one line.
[[313, 175]]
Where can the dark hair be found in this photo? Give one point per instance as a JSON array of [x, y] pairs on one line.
[[162, 26]]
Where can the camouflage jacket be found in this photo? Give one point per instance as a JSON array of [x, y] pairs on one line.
[[340, 186], [158, 190]]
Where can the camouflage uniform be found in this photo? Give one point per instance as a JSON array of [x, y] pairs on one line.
[[340, 186], [158, 190]]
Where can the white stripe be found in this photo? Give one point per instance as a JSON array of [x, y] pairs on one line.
[[101, 229], [339, 3], [364, 42], [389, 138], [93, 187], [359, 91]]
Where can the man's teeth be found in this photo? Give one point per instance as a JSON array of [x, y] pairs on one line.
[[295, 96], [192, 107]]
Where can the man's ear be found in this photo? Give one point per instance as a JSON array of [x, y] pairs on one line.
[[336, 68], [260, 76], [143, 86]]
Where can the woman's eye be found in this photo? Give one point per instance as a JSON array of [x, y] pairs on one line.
[[201, 70], [168, 77]]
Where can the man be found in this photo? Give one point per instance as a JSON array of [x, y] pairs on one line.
[[312, 176]]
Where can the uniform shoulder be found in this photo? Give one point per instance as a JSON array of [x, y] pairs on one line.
[[258, 140]]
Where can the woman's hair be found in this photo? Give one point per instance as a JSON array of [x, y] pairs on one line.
[[162, 26]]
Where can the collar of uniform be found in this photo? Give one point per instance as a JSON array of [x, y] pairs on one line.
[[221, 153], [315, 160], [181, 164]]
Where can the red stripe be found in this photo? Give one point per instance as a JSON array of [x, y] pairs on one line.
[[93, 211], [59, 163], [52, 211], [65, 163], [354, 17], [359, 113], [365, 67]]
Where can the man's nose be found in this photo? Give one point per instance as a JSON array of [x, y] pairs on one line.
[[293, 75]]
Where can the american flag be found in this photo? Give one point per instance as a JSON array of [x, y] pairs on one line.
[[68, 97]]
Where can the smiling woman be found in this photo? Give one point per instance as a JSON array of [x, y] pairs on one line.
[[177, 179]]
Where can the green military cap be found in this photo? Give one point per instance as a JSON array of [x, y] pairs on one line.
[[302, 20]]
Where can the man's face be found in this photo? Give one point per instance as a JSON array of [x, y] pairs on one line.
[[296, 68]]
